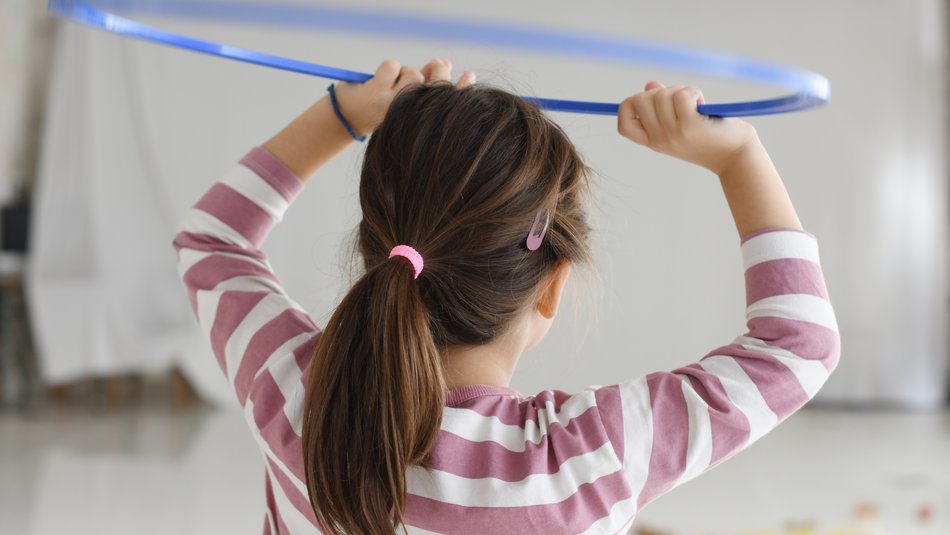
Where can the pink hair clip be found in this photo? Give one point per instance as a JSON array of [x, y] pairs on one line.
[[534, 239]]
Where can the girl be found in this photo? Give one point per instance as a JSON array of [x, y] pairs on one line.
[[398, 414]]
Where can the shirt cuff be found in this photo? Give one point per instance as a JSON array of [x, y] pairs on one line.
[[274, 172], [778, 243], [759, 232]]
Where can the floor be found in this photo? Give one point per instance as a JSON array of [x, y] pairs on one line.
[[158, 471]]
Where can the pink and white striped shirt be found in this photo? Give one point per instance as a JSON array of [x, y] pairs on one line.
[[504, 463]]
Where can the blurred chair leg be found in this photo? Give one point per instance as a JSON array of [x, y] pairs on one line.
[[181, 391], [112, 389], [13, 378], [6, 348], [17, 361], [60, 394], [25, 357], [136, 389]]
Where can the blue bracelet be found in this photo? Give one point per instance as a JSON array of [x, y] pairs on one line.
[[339, 114]]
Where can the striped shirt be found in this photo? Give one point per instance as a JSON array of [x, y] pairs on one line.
[[555, 462]]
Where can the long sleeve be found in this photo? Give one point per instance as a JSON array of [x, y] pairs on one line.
[[261, 338], [233, 290], [670, 427]]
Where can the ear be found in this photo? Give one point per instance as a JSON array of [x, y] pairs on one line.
[[550, 297]]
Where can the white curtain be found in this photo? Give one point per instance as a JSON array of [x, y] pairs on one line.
[[105, 296], [25, 37], [137, 132]]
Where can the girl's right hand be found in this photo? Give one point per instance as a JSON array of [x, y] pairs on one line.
[[665, 119], [365, 104]]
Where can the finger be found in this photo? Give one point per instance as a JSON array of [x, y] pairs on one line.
[[646, 112], [387, 72], [408, 76], [653, 84], [468, 78], [665, 111], [437, 70], [685, 101], [629, 125]]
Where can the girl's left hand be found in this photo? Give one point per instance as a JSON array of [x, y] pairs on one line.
[[365, 104]]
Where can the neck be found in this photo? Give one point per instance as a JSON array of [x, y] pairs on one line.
[[488, 364]]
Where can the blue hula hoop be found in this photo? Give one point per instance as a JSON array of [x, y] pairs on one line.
[[810, 89]]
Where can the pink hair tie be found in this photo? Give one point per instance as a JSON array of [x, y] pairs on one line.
[[409, 254]]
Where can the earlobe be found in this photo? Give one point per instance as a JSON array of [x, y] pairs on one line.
[[545, 309], [550, 298]]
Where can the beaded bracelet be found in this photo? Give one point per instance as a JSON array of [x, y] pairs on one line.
[[339, 114]]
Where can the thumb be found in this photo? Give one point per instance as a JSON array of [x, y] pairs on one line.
[[653, 84]]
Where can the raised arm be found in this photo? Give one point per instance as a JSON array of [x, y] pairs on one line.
[[665, 119], [669, 427], [239, 302]]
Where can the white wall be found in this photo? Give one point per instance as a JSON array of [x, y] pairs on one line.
[[868, 175]]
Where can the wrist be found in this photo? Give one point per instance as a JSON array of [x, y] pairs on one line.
[[755, 192], [352, 128], [751, 154], [310, 140]]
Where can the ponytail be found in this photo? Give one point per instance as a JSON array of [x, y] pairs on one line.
[[374, 403]]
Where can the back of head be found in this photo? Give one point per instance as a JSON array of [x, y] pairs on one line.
[[460, 175]]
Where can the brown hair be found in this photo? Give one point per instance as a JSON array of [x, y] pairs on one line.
[[458, 174]]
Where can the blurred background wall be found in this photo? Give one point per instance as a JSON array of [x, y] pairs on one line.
[[26, 35], [135, 133]]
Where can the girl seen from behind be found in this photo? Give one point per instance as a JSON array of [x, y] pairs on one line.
[[397, 414]]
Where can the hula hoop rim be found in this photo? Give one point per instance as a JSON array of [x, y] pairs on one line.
[[811, 90]]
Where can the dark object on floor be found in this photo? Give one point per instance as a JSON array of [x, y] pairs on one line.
[[15, 226]]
